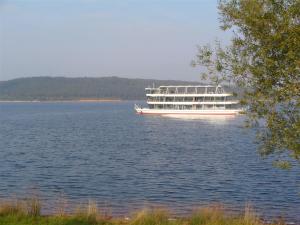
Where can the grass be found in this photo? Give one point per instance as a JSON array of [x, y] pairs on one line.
[[28, 212]]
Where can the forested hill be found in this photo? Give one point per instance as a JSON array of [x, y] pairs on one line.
[[62, 88]]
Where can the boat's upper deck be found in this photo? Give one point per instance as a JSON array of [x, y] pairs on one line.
[[206, 90]]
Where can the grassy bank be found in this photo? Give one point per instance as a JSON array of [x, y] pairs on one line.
[[28, 212]]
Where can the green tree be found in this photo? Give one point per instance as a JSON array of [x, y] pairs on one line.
[[263, 58]]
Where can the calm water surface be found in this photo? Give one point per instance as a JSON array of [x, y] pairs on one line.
[[105, 152]]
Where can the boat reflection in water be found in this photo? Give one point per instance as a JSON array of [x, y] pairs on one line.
[[200, 117]]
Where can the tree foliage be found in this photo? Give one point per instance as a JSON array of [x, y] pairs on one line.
[[264, 59]]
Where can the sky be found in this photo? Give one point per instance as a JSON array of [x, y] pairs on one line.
[[95, 38]]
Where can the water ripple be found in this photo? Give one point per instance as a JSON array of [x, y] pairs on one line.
[[105, 152]]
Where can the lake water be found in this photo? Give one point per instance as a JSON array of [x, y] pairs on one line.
[[105, 152]]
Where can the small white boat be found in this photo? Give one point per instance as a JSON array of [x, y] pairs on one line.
[[189, 100]]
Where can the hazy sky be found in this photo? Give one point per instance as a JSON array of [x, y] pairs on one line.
[[127, 38]]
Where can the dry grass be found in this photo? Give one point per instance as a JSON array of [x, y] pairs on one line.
[[90, 211], [26, 212], [29, 207], [13, 207], [33, 206], [61, 207], [151, 217]]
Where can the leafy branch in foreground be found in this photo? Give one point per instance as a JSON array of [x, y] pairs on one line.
[[263, 59]]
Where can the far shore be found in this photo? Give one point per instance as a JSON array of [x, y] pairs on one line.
[[71, 100]]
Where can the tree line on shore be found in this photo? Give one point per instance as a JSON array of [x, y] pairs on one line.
[[62, 88]]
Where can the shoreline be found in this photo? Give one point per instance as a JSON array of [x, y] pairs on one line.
[[20, 212], [51, 101], [62, 205]]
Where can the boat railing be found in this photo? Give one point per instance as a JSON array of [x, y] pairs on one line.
[[186, 90], [191, 99]]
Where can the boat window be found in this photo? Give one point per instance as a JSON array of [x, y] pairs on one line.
[[179, 99], [208, 106], [187, 107], [188, 99], [199, 99], [211, 90]]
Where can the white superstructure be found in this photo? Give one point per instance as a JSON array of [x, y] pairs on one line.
[[189, 100]]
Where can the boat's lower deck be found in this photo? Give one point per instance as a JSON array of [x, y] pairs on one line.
[[187, 112]]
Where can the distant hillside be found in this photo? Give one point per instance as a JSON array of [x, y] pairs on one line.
[[62, 88]]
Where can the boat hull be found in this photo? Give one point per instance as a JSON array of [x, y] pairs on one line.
[[186, 112]]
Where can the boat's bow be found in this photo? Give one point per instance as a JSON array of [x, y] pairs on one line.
[[138, 108]]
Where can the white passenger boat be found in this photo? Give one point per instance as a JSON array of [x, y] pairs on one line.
[[189, 100]]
